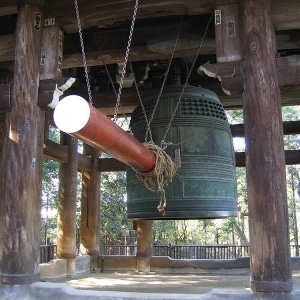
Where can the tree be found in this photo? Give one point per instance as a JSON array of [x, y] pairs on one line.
[[49, 195], [113, 222]]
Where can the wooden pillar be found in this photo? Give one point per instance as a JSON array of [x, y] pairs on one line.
[[90, 204], [144, 245], [265, 162], [4, 119], [66, 236], [21, 225]]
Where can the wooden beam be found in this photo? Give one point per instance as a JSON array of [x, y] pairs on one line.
[[59, 153], [102, 14], [111, 165], [285, 16], [156, 49], [7, 47], [231, 78], [105, 101], [47, 88], [292, 157], [5, 98], [289, 127], [9, 9]]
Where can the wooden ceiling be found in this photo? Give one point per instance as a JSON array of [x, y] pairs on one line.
[[106, 26]]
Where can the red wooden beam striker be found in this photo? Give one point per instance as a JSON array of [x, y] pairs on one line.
[[75, 116]]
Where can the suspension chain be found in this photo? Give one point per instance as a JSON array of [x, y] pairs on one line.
[[125, 61], [164, 82], [83, 53], [164, 144]]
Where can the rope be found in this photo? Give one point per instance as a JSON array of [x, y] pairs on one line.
[[156, 180]]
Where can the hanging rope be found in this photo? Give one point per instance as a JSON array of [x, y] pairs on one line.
[[161, 176]]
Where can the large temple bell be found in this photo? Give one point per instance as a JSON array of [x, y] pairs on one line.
[[200, 139]]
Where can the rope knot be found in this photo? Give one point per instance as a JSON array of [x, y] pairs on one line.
[[161, 176]]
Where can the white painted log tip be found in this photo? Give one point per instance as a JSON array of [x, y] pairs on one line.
[[71, 114]]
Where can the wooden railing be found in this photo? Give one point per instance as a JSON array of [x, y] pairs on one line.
[[48, 252], [182, 252]]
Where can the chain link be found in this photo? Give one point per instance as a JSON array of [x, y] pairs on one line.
[[164, 82], [163, 142], [83, 54], [125, 61]]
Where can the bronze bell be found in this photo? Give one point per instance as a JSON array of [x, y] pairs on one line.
[[200, 140]]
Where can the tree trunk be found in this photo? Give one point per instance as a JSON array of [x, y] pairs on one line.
[[265, 163]]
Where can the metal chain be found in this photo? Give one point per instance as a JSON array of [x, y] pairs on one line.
[[109, 75], [164, 82], [125, 61], [164, 144], [143, 109], [83, 53]]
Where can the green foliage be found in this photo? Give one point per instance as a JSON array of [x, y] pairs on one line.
[[113, 223]]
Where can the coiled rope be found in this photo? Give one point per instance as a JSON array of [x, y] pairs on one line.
[[161, 176]]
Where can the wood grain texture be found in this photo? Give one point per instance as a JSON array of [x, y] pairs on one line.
[[90, 208], [66, 221], [269, 241], [21, 248]]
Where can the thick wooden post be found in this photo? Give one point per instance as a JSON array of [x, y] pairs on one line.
[[21, 225], [90, 212], [144, 245], [51, 50], [66, 237], [4, 119], [265, 164]]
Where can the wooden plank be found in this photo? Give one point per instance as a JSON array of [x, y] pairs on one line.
[[268, 218]]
